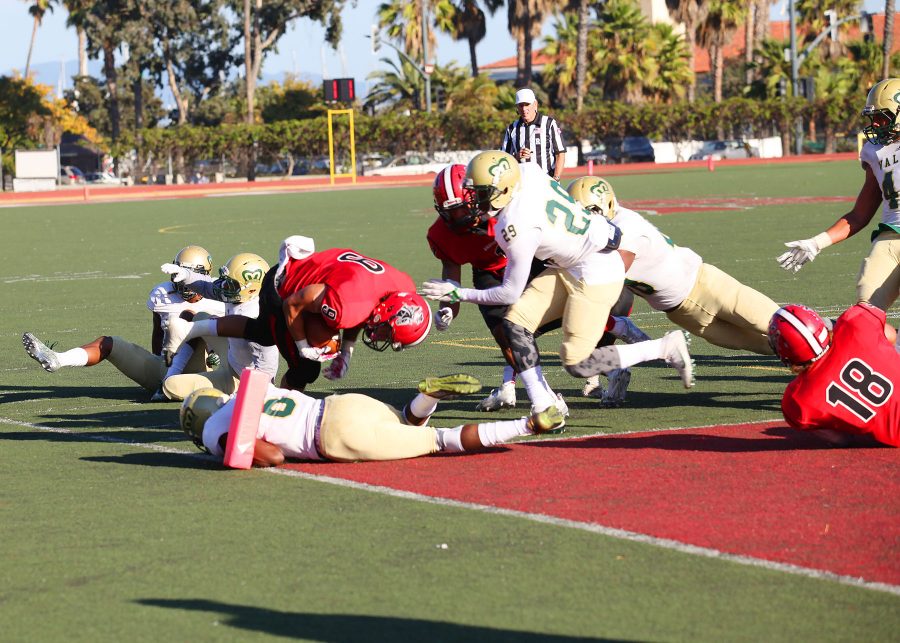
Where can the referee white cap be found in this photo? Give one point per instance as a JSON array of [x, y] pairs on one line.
[[525, 96]]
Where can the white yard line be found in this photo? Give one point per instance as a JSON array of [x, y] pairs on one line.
[[664, 543]]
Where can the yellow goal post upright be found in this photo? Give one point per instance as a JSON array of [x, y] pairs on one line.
[[352, 172]]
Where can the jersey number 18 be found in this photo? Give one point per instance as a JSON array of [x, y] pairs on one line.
[[859, 390]]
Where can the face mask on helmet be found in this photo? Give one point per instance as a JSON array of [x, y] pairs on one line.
[[400, 321], [493, 178], [798, 335], [241, 278], [594, 195], [451, 199], [196, 409], [195, 259], [881, 111]]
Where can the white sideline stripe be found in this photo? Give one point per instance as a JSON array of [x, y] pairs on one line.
[[612, 532]]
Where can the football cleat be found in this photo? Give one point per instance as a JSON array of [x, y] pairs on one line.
[[614, 396], [592, 387], [675, 352], [159, 396], [632, 334], [561, 405], [500, 398], [550, 420], [448, 387], [38, 351]]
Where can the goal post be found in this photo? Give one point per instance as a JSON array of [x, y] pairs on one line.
[[352, 173]]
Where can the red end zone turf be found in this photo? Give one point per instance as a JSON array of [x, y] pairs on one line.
[[760, 490]]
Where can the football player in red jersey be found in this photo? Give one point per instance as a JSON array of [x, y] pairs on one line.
[[352, 292], [459, 237], [847, 375]]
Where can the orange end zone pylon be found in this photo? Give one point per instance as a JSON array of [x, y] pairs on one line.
[[245, 419]]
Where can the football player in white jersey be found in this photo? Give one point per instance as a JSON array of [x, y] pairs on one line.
[[878, 282], [695, 295], [353, 427], [536, 217], [138, 364], [238, 287]]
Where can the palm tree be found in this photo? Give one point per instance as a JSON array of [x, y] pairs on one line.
[[672, 75], [563, 49], [37, 9], [888, 38], [811, 13], [401, 86], [691, 14], [722, 19], [525, 19], [771, 67], [623, 30], [468, 23], [78, 10], [402, 20]]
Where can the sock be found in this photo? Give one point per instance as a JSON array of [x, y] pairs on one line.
[[620, 327], [536, 388], [180, 360], [547, 388], [631, 354], [493, 433], [423, 406], [509, 375], [73, 357], [450, 440]]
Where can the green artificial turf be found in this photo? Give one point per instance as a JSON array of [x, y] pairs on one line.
[[112, 531]]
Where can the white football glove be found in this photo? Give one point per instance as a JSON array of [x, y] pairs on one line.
[[339, 366], [178, 273], [441, 290], [803, 251], [316, 354], [443, 318]]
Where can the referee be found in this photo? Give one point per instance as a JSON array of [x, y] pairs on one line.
[[535, 137]]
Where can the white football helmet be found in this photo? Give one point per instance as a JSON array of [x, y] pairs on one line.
[[195, 259]]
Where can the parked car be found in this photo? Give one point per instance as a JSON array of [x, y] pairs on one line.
[[630, 149], [409, 163], [719, 150], [70, 175], [597, 154], [103, 178]]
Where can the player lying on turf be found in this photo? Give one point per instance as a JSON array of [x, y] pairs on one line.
[[461, 236], [344, 290], [238, 287], [353, 427], [536, 217], [878, 282], [847, 376], [167, 301]]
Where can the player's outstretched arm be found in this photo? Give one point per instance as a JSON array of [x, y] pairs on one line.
[[803, 251]]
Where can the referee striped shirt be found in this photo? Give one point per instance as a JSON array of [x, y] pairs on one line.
[[542, 136]]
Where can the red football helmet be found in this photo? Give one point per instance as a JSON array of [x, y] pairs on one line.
[[401, 320], [450, 198], [798, 335]]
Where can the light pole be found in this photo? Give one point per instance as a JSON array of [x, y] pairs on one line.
[[795, 80]]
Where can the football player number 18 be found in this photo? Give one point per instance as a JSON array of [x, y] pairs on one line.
[[859, 390]]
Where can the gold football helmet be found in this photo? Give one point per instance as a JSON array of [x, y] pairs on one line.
[[195, 259], [241, 278], [493, 178], [595, 195], [881, 111], [196, 409]]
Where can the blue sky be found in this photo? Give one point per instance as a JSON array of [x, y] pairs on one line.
[[301, 49]]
